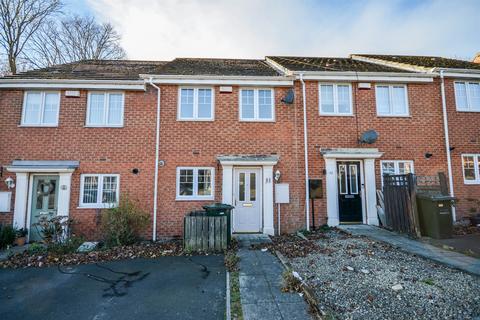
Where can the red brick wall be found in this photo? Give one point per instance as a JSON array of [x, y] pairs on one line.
[[99, 150], [226, 135], [407, 138], [187, 143], [464, 130]]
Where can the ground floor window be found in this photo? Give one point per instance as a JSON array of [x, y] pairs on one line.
[[471, 168], [391, 167], [195, 183], [99, 190]]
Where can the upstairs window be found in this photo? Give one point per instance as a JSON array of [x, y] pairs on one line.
[[195, 104], [335, 99], [257, 105], [195, 183], [41, 108], [105, 109], [471, 168], [392, 100], [467, 96], [99, 190]]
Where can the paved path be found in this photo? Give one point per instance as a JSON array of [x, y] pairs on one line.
[[261, 282], [163, 288], [448, 258]]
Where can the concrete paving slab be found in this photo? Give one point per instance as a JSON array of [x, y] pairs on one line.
[[264, 311]]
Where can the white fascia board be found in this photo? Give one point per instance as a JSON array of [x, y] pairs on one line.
[[277, 81], [247, 163], [38, 170], [392, 64], [278, 67], [138, 85], [366, 76], [460, 73]]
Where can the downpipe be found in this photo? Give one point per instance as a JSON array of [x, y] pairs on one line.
[[305, 142], [157, 150]]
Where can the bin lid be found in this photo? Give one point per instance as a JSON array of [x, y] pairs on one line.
[[218, 206], [435, 197]]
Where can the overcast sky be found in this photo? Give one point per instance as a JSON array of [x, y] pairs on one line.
[[164, 29]]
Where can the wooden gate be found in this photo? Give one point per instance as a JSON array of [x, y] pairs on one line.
[[204, 233], [399, 193]]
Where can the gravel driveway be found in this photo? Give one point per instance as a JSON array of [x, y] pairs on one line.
[[357, 278]]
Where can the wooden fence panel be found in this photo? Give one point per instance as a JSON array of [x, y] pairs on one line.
[[399, 193], [205, 233]]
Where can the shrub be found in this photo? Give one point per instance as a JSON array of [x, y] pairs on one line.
[[7, 236], [36, 248], [70, 245], [122, 225]]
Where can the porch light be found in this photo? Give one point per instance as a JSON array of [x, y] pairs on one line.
[[10, 183], [277, 175]]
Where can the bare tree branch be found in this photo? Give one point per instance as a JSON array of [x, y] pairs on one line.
[[75, 38], [19, 21]]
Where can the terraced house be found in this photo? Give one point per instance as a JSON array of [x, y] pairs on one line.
[[179, 134]]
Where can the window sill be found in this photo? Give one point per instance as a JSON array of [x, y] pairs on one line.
[[257, 120], [195, 120], [195, 199], [95, 207], [469, 183], [468, 111], [336, 115], [38, 125], [102, 126], [393, 116]]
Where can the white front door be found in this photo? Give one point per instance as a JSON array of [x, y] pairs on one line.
[[247, 215]]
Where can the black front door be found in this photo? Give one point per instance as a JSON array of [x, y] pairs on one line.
[[349, 191]]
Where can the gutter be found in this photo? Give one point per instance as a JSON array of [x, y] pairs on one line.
[[73, 84], [157, 151], [447, 140], [279, 81], [305, 142]]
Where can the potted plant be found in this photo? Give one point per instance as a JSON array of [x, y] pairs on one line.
[[474, 215], [21, 236]]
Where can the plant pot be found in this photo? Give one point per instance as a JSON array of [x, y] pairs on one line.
[[20, 241]]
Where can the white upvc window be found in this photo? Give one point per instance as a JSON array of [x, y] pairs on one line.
[[105, 109], [467, 96], [394, 167], [335, 99], [195, 104], [195, 183], [99, 190], [257, 104], [471, 168], [391, 100], [41, 108]]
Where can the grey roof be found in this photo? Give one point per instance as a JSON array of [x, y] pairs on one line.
[[45, 164], [329, 64], [425, 61], [95, 69], [218, 67]]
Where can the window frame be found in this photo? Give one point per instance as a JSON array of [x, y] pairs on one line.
[[106, 102], [195, 196], [195, 103], [390, 99], [468, 96], [396, 166], [255, 105], [42, 108], [476, 163], [335, 99], [98, 204]]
